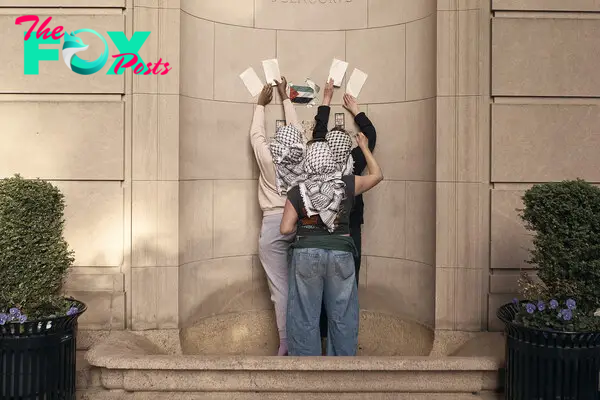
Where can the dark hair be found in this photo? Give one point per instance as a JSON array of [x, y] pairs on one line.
[[339, 129], [315, 141]]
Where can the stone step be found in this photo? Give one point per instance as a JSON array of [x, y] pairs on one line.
[[85, 375], [270, 374], [121, 395], [135, 366]]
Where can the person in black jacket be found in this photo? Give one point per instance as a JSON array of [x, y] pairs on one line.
[[360, 163]]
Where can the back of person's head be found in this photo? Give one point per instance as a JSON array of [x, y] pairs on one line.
[[338, 128], [340, 144], [287, 146], [288, 135], [319, 160], [287, 150], [310, 142]]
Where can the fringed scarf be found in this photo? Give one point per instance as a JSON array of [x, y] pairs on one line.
[[287, 150], [323, 189], [340, 144]]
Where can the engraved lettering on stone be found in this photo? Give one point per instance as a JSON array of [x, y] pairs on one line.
[[310, 2]]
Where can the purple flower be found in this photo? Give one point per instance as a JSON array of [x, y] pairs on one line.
[[553, 304], [530, 308], [571, 305], [3, 318], [541, 306], [14, 313], [73, 311], [515, 301], [23, 318], [567, 314]]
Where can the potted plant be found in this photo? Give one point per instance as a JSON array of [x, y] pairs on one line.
[[38, 324], [553, 337]]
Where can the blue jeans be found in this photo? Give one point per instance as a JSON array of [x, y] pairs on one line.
[[319, 277]]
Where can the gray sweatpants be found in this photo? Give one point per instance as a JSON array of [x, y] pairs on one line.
[[273, 253]]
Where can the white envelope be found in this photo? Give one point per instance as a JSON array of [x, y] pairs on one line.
[[356, 82], [337, 72], [252, 81], [272, 73]]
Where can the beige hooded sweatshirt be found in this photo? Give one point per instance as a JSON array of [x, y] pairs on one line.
[[270, 201]]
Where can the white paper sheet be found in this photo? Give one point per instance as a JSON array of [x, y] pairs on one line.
[[252, 81], [356, 82], [337, 72], [272, 73]]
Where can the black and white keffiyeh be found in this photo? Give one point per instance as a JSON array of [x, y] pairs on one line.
[[287, 150], [318, 170], [323, 189], [340, 144]]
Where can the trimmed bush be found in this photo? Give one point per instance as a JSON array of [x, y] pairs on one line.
[[34, 256], [565, 220]]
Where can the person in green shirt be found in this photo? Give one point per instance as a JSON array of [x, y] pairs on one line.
[[322, 256]]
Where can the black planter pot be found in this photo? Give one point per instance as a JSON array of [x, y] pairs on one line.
[[37, 358], [549, 365]]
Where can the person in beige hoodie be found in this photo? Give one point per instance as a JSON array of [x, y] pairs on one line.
[[273, 247]]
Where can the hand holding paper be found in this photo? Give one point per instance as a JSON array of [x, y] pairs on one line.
[[356, 82], [351, 104], [252, 81], [337, 72], [272, 73]]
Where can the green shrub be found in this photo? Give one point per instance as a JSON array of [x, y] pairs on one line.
[[34, 256], [565, 220]]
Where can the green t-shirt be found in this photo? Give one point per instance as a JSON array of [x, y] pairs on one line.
[[331, 242]]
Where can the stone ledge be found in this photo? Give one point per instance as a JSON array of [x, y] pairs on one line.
[[85, 376], [132, 363], [121, 361], [298, 381], [127, 351], [121, 395]]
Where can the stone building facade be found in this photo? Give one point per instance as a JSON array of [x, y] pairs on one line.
[[474, 100]]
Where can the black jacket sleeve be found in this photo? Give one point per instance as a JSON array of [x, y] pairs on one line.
[[322, 120], [366, 126]]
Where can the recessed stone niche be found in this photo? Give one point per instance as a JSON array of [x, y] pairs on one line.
[[394, 41]]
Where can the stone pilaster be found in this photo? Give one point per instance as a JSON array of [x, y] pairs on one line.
[[462, 229], [154, 274]]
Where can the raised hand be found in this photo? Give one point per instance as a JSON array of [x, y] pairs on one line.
[[266, 95], [362, 141], [328, 93], [282, 87], [351, 104]]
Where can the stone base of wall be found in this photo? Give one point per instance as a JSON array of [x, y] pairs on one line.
[[119, 395], [125, 365], [128, 366]]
